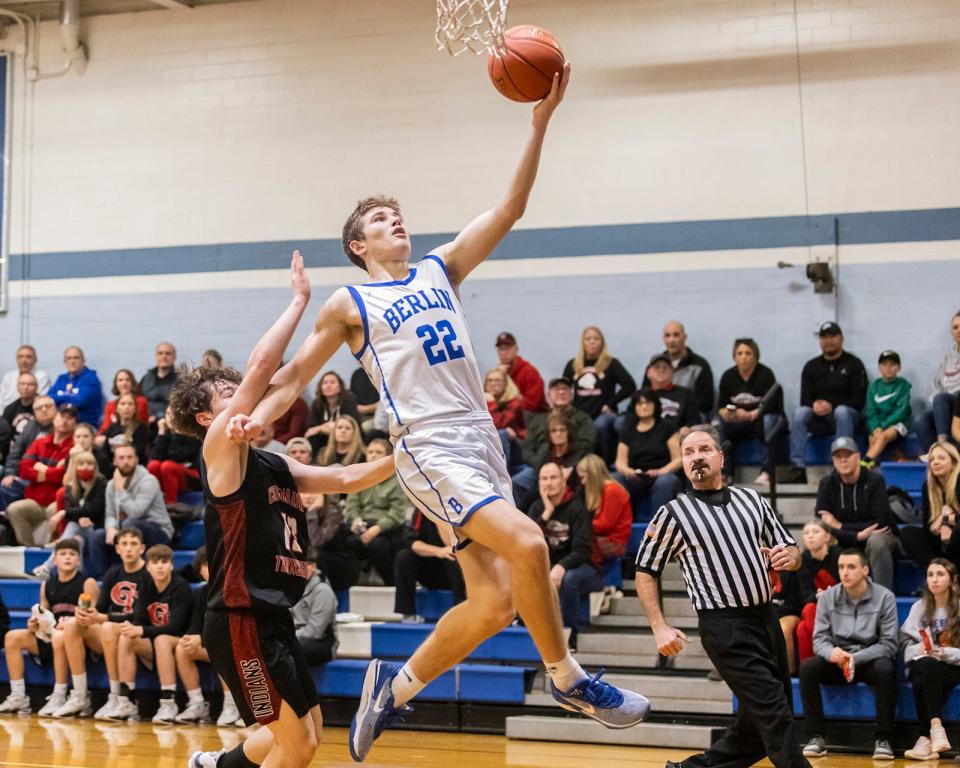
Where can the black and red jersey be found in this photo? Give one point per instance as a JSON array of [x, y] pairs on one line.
[[166, 612], [257, 538], [62, 596], [119, 592]]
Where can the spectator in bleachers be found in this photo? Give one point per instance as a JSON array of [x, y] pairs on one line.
[[677, 404], [79, 386], [583, 434], [367, 398], [11, 487], [559, 448], [935, 424], [315, 619], [855, 640], [174, 462], [190, 651], [346, 444], [600, 383], [58, 599], [648, 455], [833, 390], [299, 448], [888, 407], [134, 498], [739, 415], [19, 413], [505, 404], [787, 599], [931, 637], [265, 441], [160, 617], [690, 370], [376, 517], [126, 429], [42, 468], [331, 401], [609, 506], [211, 358], [124, 383], [98, 628], [853, 502], [524, 374], [428, 560], [84, 505], [939, 536], [26, 363], [818, 572], [565, 523], [293, 423], [156, 383]]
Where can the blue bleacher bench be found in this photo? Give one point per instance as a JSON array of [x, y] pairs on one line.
[[391, 640]]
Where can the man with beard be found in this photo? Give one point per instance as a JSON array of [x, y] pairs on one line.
[[726, 539]]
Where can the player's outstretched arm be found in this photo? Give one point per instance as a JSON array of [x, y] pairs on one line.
[[350, 479], [481, 236], [329, 332]]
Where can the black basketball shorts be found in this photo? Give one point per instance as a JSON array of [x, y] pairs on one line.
[[259, 658]]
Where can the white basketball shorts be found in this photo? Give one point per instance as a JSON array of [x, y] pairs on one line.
[[451, 470]]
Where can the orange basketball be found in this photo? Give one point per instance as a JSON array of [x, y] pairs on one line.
[[525, 71]]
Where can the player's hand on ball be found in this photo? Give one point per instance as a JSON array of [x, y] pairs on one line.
[[545, 108], [669, 640], [242, 429], [298, 277]]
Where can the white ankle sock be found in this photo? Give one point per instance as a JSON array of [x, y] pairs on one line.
[[169, 687], [18, 687], [565, 673], [405, 686], [60, 689], [228, 698], [80, 683], [196, 696], [115, 687]]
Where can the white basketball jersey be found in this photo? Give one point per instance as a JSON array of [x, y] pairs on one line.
[[416, 348]]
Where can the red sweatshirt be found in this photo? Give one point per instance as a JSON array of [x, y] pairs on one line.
[[110, 412], [530, 383], [614, 519], [54, 455], [509, 414]]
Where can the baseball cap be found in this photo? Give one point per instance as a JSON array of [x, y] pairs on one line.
[[506, 339], [560, 381], [844, 444], [830, 328], [68, 408], [889, 354], [658, 358]]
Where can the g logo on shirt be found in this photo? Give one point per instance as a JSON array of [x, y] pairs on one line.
[[124, 595], [159, 614]]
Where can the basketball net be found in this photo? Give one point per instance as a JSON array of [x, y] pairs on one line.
[[471, 25]]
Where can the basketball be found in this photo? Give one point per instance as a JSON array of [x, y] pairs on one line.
[[525, 72]]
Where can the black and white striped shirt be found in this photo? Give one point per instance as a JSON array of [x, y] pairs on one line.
[[716, 536]]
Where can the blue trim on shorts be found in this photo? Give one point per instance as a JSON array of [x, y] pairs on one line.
[[410, 491], [443, 508], [363, 317], [479, 504], [386, 391]]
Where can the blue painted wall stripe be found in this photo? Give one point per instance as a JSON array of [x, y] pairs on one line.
[[665, 237]]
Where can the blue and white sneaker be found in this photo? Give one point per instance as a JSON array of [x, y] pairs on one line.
[[376, 711], [605, 703]]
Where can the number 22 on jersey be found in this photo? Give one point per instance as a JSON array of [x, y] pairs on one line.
[[440, 342]]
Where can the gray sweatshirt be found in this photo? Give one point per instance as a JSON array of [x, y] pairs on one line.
[[316, 612], [867, 627], [140, 501], [910, 634], [948, 374]]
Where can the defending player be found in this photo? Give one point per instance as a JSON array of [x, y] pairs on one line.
[[406, 328], [256, 533]]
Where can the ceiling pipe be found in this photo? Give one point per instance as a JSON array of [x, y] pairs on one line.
[[70, 40]]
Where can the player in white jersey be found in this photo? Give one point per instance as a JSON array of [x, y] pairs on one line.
[[407, 329]]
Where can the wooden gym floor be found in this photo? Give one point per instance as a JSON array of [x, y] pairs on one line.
[[31, 742]]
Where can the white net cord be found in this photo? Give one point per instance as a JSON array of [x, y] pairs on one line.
[[471, 25]]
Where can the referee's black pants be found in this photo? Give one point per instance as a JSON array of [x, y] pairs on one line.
[[746, 646]]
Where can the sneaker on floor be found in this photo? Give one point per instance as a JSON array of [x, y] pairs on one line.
[[762, 479], [166, 712], [605, 703], [413, 618], [106, 712], [376, 711], [882, 750], [16, 704], [54, 702], [816, 747], [938, 739], [228, 715], [921, 751], [126, 710], [205, 759], [198, 712], [41, 572], [797, 475], [77, 705]]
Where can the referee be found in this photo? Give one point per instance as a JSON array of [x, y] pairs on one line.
[[725, 539]]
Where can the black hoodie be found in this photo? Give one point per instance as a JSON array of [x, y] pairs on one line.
[[856, 506]]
